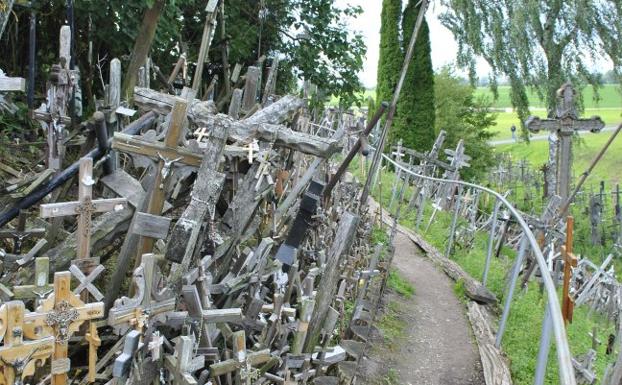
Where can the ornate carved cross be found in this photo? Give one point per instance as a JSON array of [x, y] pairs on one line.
[[565, 124]]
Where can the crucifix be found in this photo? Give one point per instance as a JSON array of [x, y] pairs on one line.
[[84, 208], [60, 315], [565, 124], [41, 287], [458, 159], [165, 154], [20, 234], [570, 261], [18, 357]]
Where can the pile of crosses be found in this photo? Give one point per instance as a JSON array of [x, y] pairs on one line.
[[188, 246]]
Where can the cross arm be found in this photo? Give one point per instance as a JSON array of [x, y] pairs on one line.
[[134, 145], [62, 209], [535, 124]]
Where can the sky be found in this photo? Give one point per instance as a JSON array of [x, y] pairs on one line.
[[444, 47]]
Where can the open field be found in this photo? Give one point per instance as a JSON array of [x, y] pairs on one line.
[[609, 95]]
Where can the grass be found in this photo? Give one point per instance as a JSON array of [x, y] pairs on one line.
[[584, 151], [522, 336], [400, 285], [393, 328], [609, 97]]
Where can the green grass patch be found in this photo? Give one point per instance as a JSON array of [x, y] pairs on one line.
[[393, 328], [400, 285]]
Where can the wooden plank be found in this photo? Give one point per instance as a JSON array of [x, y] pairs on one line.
[[152, 226], [250, 88], [124, 185], [12, 84], [494, 365]]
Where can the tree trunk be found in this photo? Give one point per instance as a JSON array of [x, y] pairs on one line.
[[555, 78], [142, 46]]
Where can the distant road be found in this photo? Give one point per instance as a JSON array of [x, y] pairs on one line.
[[543, 137]]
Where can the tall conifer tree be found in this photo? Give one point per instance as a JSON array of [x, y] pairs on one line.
[[414, 121], [391, 56]]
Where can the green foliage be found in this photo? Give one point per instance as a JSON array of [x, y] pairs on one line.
[[464, 116], [392, 326], [414, 120], [310, 36], [390, 55], [400, 285], [537, 44]]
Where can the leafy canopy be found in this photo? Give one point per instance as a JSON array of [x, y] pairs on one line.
[[536, 43]]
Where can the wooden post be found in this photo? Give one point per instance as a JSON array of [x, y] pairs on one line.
[[206, 39], [114, 90], [250, 88], [570, 261]]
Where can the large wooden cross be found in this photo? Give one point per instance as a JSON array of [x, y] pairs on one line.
[[18, 357], [60, 315], [165, 154], [570, 261], [84, 208], [564, 126], [243, 362]]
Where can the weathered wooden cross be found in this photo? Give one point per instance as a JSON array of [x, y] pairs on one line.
[[165, 154], [564, 126], [41, 287], [184, 363], [61, 315], [84, 208], [243, 362]]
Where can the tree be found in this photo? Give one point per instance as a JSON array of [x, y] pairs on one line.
[[536, 43], [414, 121], [391, 57], [464, 116]]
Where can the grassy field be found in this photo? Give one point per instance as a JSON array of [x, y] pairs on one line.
[[609, 97], [585, 150], [522, 335]]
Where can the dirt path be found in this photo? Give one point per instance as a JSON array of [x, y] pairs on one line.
[[437, 347]]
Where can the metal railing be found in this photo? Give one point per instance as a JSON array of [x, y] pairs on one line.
[[553, 316]]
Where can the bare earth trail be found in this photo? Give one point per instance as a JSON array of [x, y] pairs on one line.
[[437, 348]]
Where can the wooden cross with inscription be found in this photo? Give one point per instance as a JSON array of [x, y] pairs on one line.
[[570, 261], [20, 234], [564, 126], [84, 208], [165, 154], [60, 315], [18, 357]]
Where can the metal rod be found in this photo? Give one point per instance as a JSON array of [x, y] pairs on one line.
[[545, 347], [508, 299], [493, 229]]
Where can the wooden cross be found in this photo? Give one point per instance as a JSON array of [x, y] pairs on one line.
[[61, 315], [201, 133], [41, 287], [92, 337], [84, 208], [277, 310], [243, 362], [184, 363], [570, 261], [565, 124], [20, 234], [165, 154], [264, 170], [19, 357], [136, 311]]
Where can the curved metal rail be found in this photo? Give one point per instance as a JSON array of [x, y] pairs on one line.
[[564, 358]]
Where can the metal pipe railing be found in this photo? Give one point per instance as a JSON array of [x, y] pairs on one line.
[[564, 358]]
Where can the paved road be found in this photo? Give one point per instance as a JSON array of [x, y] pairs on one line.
[[544, 137]]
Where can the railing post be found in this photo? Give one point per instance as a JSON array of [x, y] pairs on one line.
[[508, 300], [545, 347], [491, 237]]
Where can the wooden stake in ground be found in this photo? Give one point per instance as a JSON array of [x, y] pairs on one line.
[[570, 261]]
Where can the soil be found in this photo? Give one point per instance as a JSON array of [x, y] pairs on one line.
[[438, 347]]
